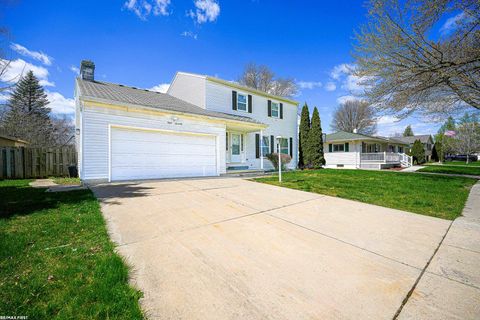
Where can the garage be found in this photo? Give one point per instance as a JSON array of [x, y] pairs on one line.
[[151, 154]]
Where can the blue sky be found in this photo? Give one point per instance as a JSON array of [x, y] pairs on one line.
[[143, 43]]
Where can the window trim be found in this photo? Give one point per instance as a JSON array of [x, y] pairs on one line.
[[337, 145], [267, 145], [241, 103], [286, 147], [277, 104]]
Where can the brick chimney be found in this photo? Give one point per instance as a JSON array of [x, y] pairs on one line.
[[87, 70]]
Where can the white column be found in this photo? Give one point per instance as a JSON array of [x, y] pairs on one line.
[[261, 149]]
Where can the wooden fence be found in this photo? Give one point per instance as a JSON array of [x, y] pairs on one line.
[[18, 163]]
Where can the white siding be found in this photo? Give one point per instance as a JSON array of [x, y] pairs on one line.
[[219, 98], [349, 159], [96, 122], [190, 88]]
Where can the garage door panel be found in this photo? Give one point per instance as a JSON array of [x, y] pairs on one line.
[[125, 148], [161, 172], [165, 160], [139, 154]]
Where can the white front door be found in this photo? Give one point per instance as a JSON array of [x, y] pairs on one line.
[[235, 148]]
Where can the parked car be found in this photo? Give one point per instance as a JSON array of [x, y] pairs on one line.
[[461, 157]]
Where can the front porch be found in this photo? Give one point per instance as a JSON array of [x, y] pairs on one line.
[[384, 160]]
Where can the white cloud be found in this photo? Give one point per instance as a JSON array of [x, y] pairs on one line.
[[46, 83], [452, 23], [189, 34], [387, 119], [330, 86], [309, 84], [163, 87], [143, 8], [19, 67], [341, 69], [37, 55], [206, 11], [75, 69], [353, 84], [60, 105], [346, 98]]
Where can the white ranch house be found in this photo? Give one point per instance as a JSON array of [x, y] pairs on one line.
[[203, 126], [359, 151]]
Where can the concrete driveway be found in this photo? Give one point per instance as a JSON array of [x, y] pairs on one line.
[[234, 249]]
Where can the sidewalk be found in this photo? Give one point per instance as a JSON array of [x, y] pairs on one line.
[[450, 286], [412, 169]]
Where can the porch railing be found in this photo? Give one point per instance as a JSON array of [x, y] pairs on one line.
[[386, 157]]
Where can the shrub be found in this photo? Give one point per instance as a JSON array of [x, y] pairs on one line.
[[273, 157]]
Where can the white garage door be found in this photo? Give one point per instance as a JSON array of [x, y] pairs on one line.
[[139, 154]]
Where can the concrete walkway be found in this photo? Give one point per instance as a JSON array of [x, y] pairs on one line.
[[412, 169], [450, 286], [235, 249]]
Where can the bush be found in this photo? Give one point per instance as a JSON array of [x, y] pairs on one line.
[[273, 157], [417, 152]]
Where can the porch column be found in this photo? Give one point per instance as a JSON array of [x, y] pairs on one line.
[[261, 149]]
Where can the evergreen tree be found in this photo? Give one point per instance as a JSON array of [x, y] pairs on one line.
[[28, 116], [418, 153], [436, 151], [408, 131], [315, 143], [303, 137]]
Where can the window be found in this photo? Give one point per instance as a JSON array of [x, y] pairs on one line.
[[284, 145], [275, 110], [265, 145], [242, 102], [338, 147], [400, 149]]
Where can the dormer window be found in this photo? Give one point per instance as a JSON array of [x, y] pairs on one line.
[[275, 110], [242, 102]]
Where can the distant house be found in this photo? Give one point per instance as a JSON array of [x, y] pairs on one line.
[[6, 141], [425, 139], [354, 150]]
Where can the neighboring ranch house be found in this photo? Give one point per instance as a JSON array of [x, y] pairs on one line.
[[355, 150], [425, 139], [203, 126]]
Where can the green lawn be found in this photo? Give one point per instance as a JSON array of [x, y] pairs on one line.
[[66, 181], [452, 169], [458, 163], [56, 260], [436, 196]]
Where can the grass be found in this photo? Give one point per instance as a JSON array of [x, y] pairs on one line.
[[452, 169], [56, 260], [66, 181], [431, 195], [461, 163]]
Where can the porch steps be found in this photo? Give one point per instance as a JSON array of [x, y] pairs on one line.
[[237, 168]]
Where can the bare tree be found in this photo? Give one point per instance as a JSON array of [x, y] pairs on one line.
[[467, 139], [63, 131], [260, 77], [407, 66], [354, 114]]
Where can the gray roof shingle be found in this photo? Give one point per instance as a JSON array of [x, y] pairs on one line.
[[152, 99], [345, 136]]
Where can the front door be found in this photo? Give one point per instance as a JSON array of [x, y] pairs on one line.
[[235, 148]]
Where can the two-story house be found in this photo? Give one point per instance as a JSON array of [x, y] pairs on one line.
[[203, 126], [425, 139]]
